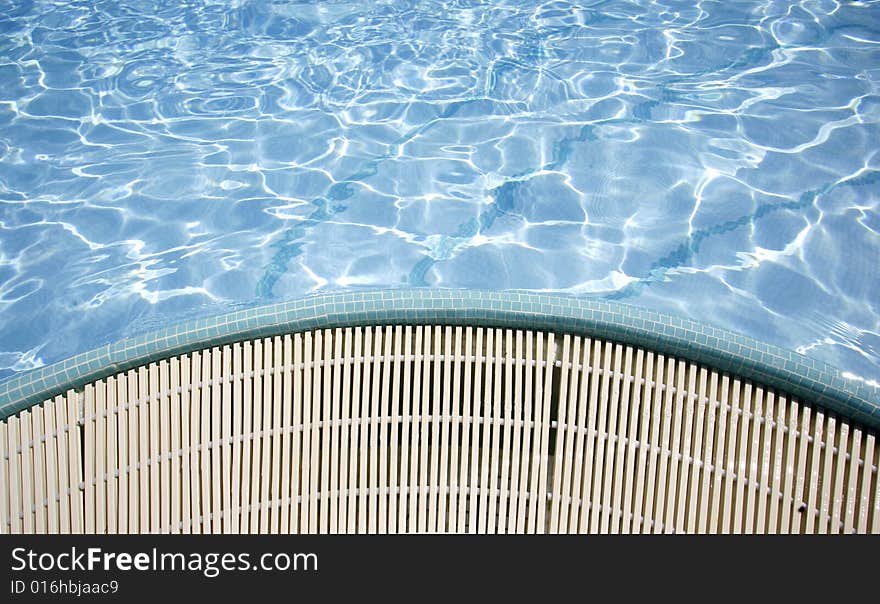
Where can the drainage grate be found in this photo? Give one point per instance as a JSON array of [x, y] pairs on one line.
[[433, 429]]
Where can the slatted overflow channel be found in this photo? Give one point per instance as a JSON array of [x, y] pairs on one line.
[[433, 429]]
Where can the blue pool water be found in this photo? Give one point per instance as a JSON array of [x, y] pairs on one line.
[[161, 160]]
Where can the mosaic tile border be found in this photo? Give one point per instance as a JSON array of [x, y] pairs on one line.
[[719, 348]]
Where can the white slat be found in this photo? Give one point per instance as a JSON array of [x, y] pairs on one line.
[[37, 446], [237, 433], [13, 443], [297, 379], [89, 473], [5, 486], [227, 432], [51, 461], [186, 477], [66, 488], [321, 418], [561, 455], [629, 509], [315, 436], [112, 462]]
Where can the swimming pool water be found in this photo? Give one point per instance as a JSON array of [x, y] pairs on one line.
[[161, 160]]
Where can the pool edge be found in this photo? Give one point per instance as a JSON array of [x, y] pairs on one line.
[[719, 348]]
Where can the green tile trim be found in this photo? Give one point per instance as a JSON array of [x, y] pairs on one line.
[[719, 348]]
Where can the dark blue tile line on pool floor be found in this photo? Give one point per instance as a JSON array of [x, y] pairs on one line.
[[718, 348]]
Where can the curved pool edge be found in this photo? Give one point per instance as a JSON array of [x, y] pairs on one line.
[[719, 348]]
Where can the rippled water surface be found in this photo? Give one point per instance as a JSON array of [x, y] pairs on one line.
[[168, 159]]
